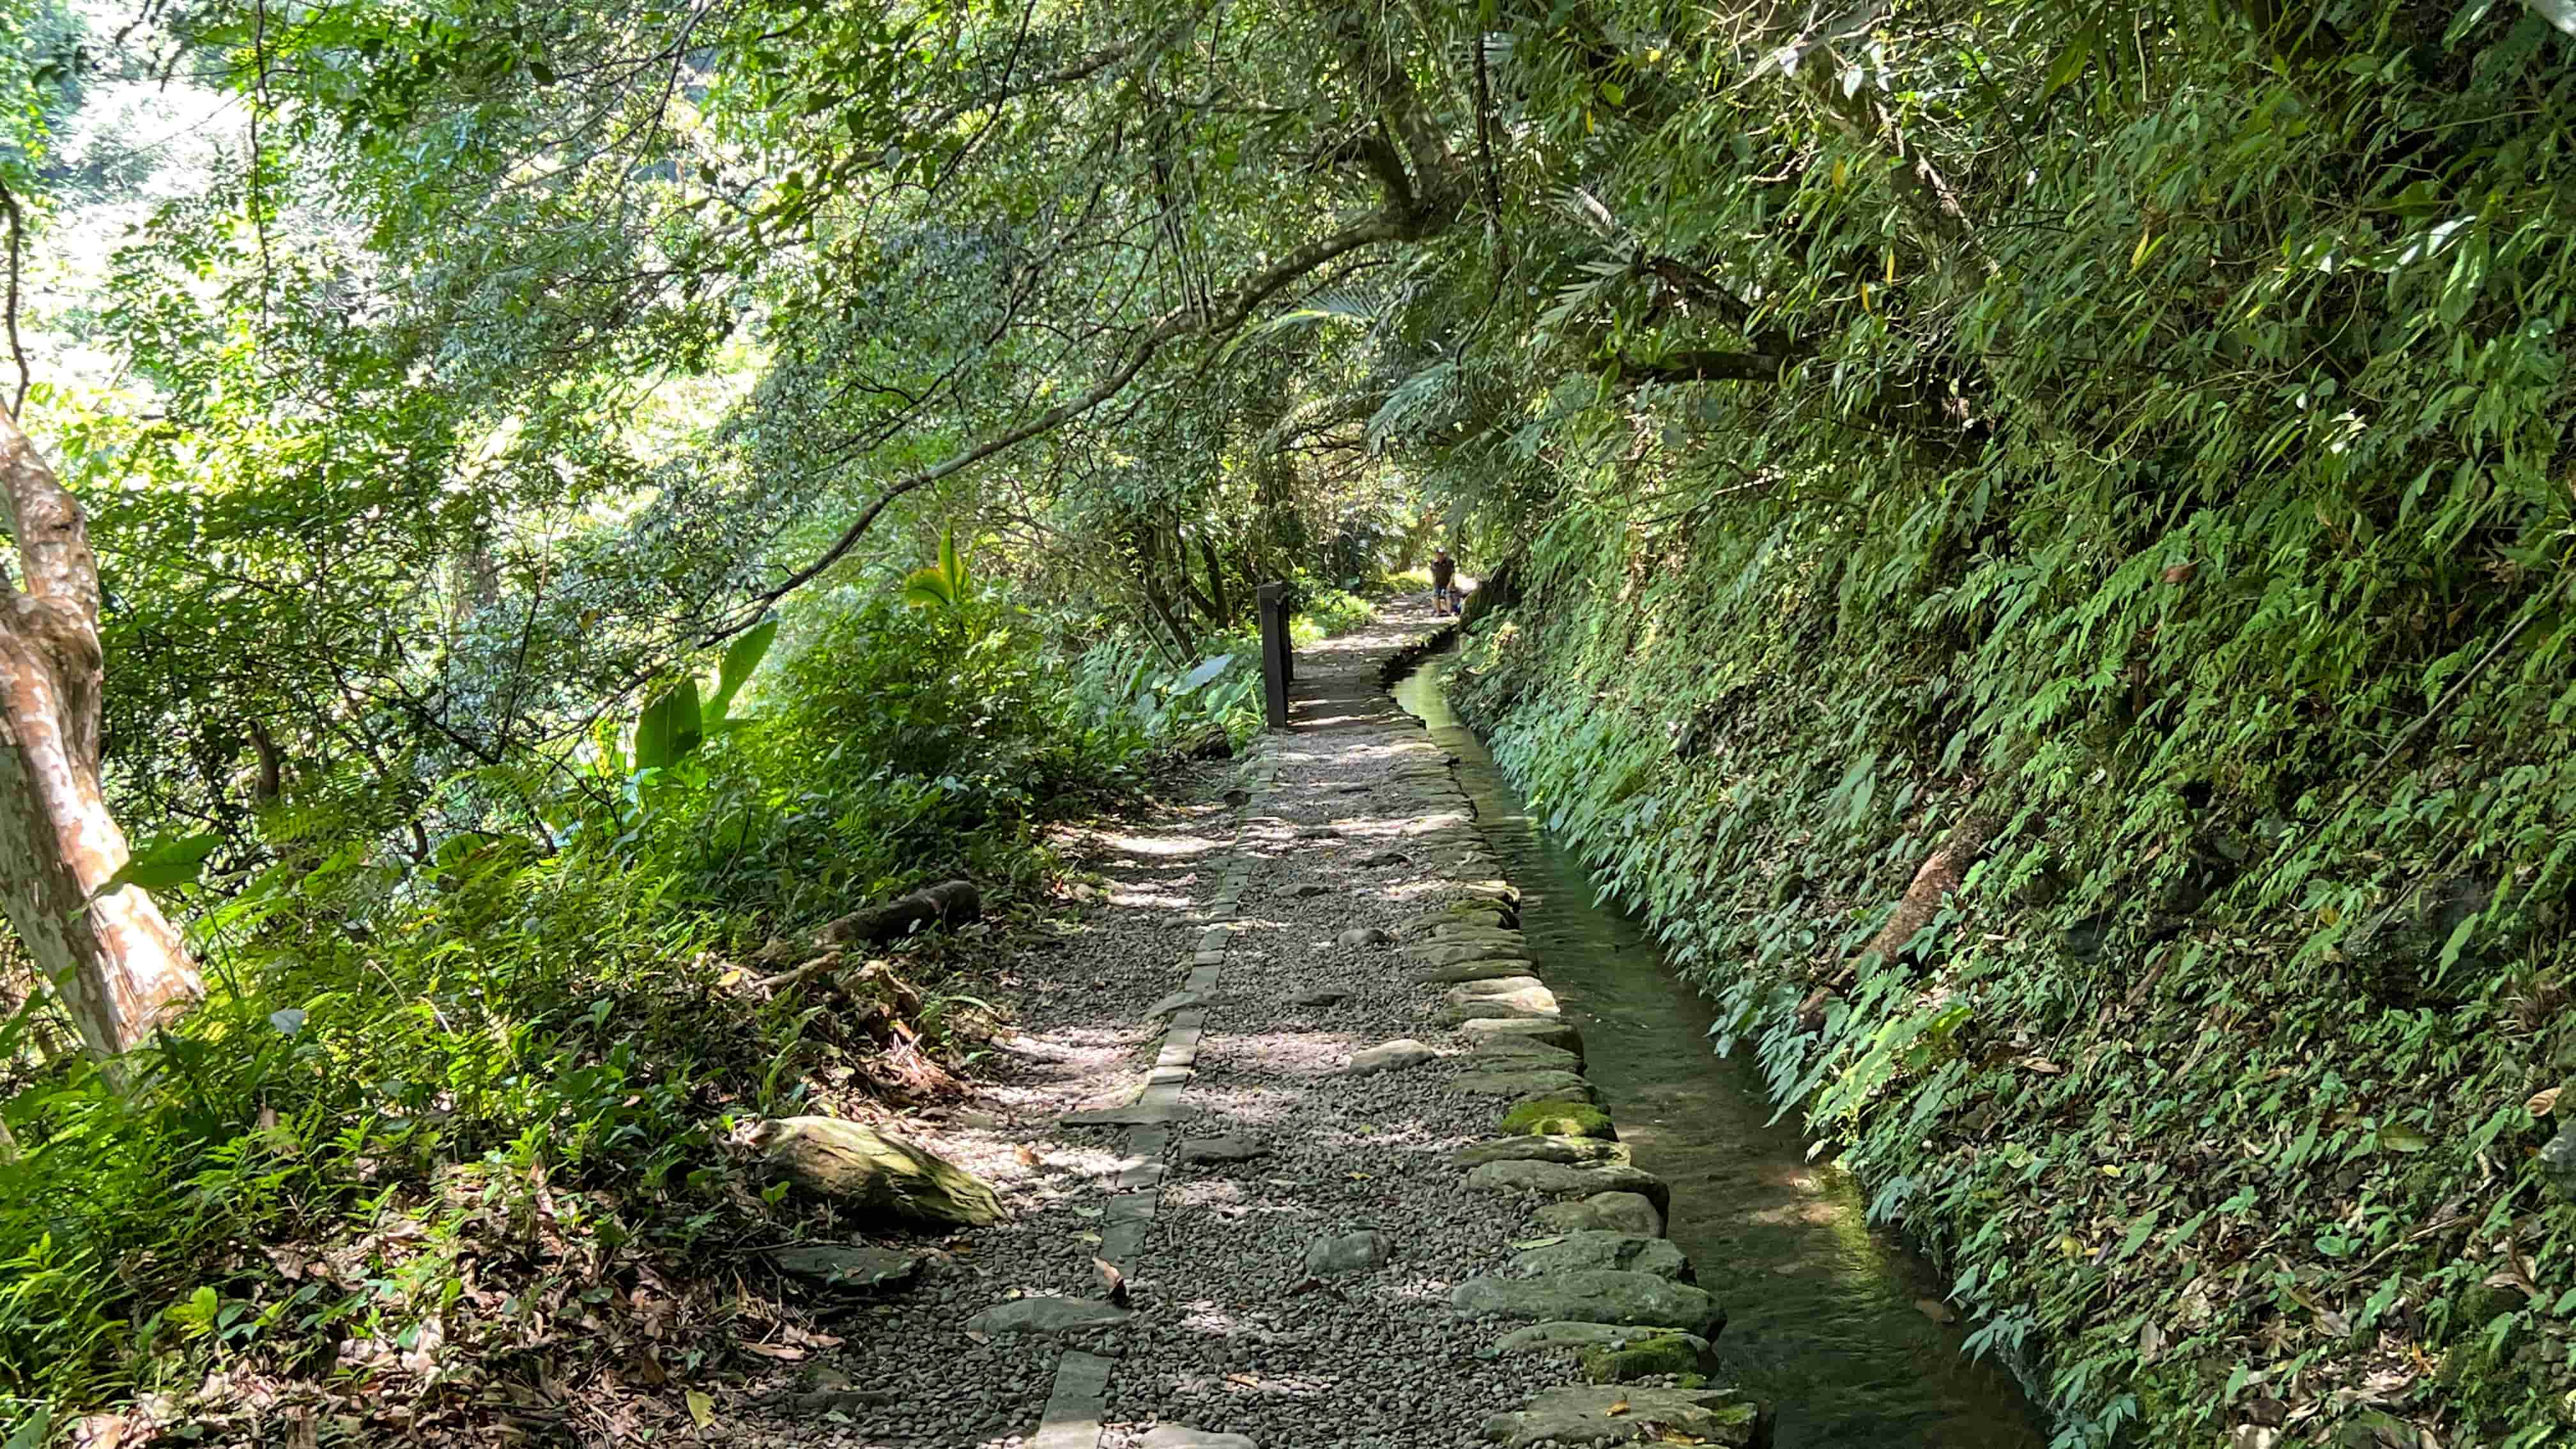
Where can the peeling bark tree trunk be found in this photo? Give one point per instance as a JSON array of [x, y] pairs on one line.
[[1939, 875], [117, 965]]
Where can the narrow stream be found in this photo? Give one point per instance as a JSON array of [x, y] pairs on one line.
[[1824, 1315]]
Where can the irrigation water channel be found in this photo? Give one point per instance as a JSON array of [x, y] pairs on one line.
[[1824, 1313]]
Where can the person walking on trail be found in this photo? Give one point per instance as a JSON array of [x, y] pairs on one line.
[[1444, 583]]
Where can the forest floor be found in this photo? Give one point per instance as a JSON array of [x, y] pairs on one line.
[[1288, 1233]]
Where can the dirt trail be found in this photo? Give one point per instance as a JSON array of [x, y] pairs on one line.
[[1290, 1232]]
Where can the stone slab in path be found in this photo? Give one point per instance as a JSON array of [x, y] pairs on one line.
[[1225, 1147], [843, 1265], [1540, 1149], [1525, 1086], [1625, 1252], [1467, 1003], [1565, 1335], [1357, 1252], [1393, 1056], [1486, 988], [1049, 1316], [1588, 1414], [1520, 1054], [1591, 1295], [1134, 1114], [1539, 1029], [1182, 1436], [1561, 1180], [1618, 1212], [1454, 953], [1492, 968]]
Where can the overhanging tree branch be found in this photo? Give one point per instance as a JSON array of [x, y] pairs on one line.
[[1706, 366], [1412, 213]]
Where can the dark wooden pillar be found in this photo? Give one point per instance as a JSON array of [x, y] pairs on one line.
[[1276, 668]]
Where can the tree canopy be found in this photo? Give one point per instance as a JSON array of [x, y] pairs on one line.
[[460, 398]]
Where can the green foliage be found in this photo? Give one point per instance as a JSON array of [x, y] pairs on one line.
[[2166, 460], [405, 1061], [944, 584]]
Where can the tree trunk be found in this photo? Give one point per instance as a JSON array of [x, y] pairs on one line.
[[1216, 580], [119, 968]]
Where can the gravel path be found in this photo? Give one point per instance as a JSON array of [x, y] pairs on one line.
[[1286, 910]]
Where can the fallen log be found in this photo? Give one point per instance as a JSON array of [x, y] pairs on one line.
[[949, 904]]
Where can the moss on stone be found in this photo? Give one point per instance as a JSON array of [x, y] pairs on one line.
[[1662, 1354], [1558, 1119]]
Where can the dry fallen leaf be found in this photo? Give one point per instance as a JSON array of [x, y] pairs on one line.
[[788, 1352], [702, 1409], [2543, 1103], [2151, 1340]]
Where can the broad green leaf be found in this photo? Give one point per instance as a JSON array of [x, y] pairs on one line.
[[1205, 672], [928, 589], [171, 860], [2400, 1137], [741, 657], [670, 727]]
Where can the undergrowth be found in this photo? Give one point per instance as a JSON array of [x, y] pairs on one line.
[[2215, 1086], [454, 1134]]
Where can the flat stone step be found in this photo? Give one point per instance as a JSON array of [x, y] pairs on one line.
[[1182, 1436], [1456, 953], [1520, 1054], [1568, 1150], [1540, 1006], [1592, 1414], [1592, 1295], [1393, 1056], [1539, 1029], [1564, 1181], [1432, 922], [1558, 1119], [1494, 986], [1526, 1086], [1618, 1212], [1463, 932], [1048, 1316], [1134, 1114], [1566, 1335], [844, 1265], [1624, 1252], [1482, 968]]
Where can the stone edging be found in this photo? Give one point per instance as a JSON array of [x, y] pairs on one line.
[[1620, 1325], [1081, 1393]]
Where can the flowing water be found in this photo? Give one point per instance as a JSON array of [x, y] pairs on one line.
[[1826, 1318]]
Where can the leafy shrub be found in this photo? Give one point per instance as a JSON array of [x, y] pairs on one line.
[[525, 1039]]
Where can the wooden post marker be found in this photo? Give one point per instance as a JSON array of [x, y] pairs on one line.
[[1276, 667]]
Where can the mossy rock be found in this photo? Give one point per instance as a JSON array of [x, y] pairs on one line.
[[1558, 1119], [1669, 1353], [877, 1171]]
